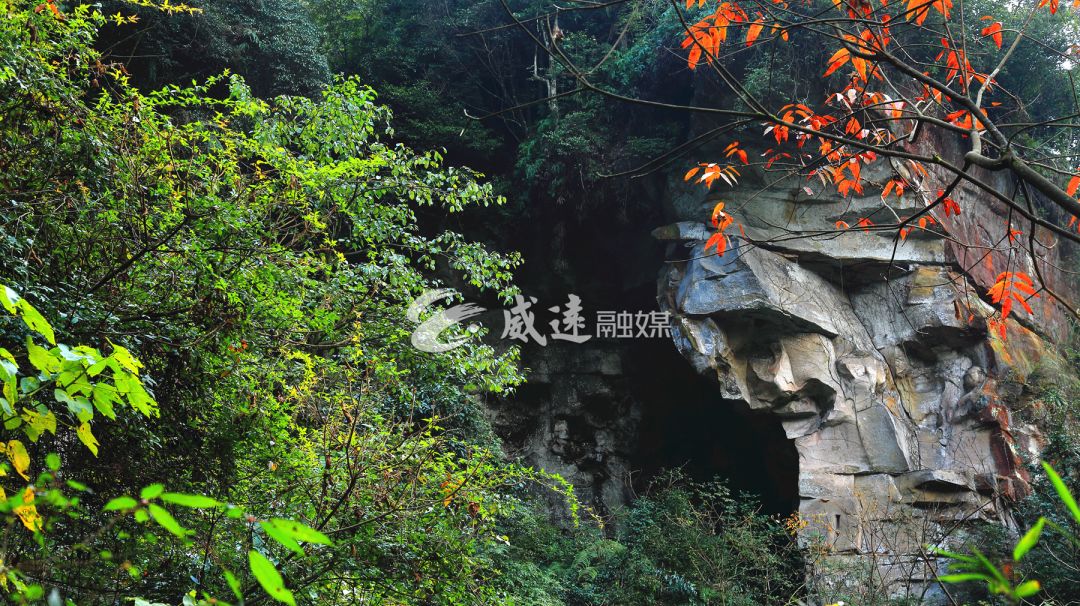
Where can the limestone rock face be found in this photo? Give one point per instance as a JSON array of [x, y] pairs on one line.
[[875, 357], [575, 418]]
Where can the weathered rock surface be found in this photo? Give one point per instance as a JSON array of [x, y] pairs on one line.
[[875, 357]]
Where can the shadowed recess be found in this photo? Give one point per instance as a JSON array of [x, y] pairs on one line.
[[687, 424]]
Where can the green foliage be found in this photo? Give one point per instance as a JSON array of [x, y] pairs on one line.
[[421, 67], [683, 544], [436, 67], [248, 264], [1003, 580], [273, 44], [80, 378]]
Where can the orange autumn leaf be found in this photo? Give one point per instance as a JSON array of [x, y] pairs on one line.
[[719, 241], [950, 206], [1053, 4], [993, 31], [997, 326], [1074, 184], [919, 10], [893, 186], [1011, 286], [51, 5], [754, 31], [716, 212], [837, 61], [733, 150]]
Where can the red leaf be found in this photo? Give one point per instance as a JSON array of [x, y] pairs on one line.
[[994, 31], [837, 61], [1053, 5], [1009, 287], [1074, 184], [718, 240], [1023, 302], [716, 212], [754, 31]]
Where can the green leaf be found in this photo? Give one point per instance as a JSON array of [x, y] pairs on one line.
[[20, 459], [139, 399], [281, 537], [301, 532], [1027, 589], [41, 358], [1063, 491], [268, 577], [87, 437], [104, 396], [38, 423], [196, 501], [78, 405], [961, 578], [1030, 538], [989, 567], [120, 504], [166, 520], [36, 321], [52, 461], [9, 298], [234, 584], [152, 491], [124, 357], [95, 369]]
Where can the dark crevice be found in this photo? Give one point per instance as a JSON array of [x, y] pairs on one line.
[[686, 424]]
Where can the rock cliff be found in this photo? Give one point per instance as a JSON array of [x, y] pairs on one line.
[[874, 356], [848, 377]]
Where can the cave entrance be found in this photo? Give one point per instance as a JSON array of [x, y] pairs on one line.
[[685, 423]]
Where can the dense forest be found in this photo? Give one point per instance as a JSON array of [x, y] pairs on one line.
[[217, 216]]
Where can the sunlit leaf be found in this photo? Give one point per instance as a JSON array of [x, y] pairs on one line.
[[87, 437], [20, 459], [1030, 538], [189, 500], [269, 578], [166, 520], [1062, 491], [121, 504], [152, 491]]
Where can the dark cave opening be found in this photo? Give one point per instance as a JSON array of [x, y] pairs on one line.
[[686, 424], [650, 411]]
